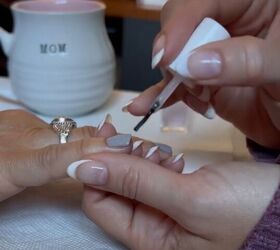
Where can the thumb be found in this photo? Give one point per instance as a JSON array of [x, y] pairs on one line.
[[135, 178], [237, 61], [37, 167]]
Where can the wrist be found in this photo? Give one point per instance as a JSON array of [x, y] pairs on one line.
[[266, 234]]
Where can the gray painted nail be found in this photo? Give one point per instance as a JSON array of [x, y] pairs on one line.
[[164, 148], [118, 141]]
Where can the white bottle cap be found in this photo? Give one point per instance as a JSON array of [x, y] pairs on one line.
[[206, 32]]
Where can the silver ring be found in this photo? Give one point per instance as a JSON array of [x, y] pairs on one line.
[[63, 127]]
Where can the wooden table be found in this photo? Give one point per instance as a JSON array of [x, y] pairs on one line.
[[130, 9]]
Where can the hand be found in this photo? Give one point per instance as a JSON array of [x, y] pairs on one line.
[[148, 207], [30, 154], [242, 73]]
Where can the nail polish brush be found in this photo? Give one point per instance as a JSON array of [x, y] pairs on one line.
[[206, 32]]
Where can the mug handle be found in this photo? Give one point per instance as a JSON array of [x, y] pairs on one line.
[[6, 40]]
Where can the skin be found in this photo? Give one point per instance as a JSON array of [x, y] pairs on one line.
[[30, 153], [154, 208], [31, 156], [248, 85], [217, 206]]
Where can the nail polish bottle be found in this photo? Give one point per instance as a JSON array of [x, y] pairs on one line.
[[173, 118]]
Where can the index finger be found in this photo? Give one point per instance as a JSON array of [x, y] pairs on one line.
[[140, 105], [137, 179]]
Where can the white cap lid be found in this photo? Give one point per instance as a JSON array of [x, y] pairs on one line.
[[206, 32]]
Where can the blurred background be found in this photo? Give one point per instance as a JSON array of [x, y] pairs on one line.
[[132, 26]]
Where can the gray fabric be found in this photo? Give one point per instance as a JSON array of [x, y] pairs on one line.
[[50, 217]]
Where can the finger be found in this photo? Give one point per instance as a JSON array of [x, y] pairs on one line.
[[242, 61], [205, 109], [141, 147], [33, 168], [156, 152], [35, 137], [133, 219], [134, 178], [9, 121], [175, 163], [140, 105], [103, 129], [164, 150], [152, 154], [185, 16], [98, 207], [137, 148], [274, 35], [273, 32], [272, 107]]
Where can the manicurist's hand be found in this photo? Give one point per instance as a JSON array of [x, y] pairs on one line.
[[146, 206], [31, 156], [238, 78]]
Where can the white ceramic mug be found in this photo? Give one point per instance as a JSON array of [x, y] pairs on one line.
[[60, 59]]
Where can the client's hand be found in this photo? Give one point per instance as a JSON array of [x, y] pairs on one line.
[[148, 207], [30, 154]]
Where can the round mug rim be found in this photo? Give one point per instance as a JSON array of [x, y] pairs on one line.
[[15, 7]]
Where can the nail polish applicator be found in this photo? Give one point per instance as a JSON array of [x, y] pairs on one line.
[[206, 32]]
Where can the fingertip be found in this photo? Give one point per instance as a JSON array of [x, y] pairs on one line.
[[137, 148], [142, 103], [107, 130], [175, 163], [153, 154], [195, 104]]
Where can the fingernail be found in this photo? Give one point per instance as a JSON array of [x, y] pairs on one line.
[[151, 152], [210, 112], [124, 108], [137, 144], [205, 65], [107, 119], [158, 50], [119, 141], [164, 148], [89, 172], [71, 170], [178, 158], [157, 58]]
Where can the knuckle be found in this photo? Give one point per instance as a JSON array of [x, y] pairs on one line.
[[46, 158], [6, 115], [87, 131], [82, 147], [253, 59], [147, 145], [32, 132], [130, 183]]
